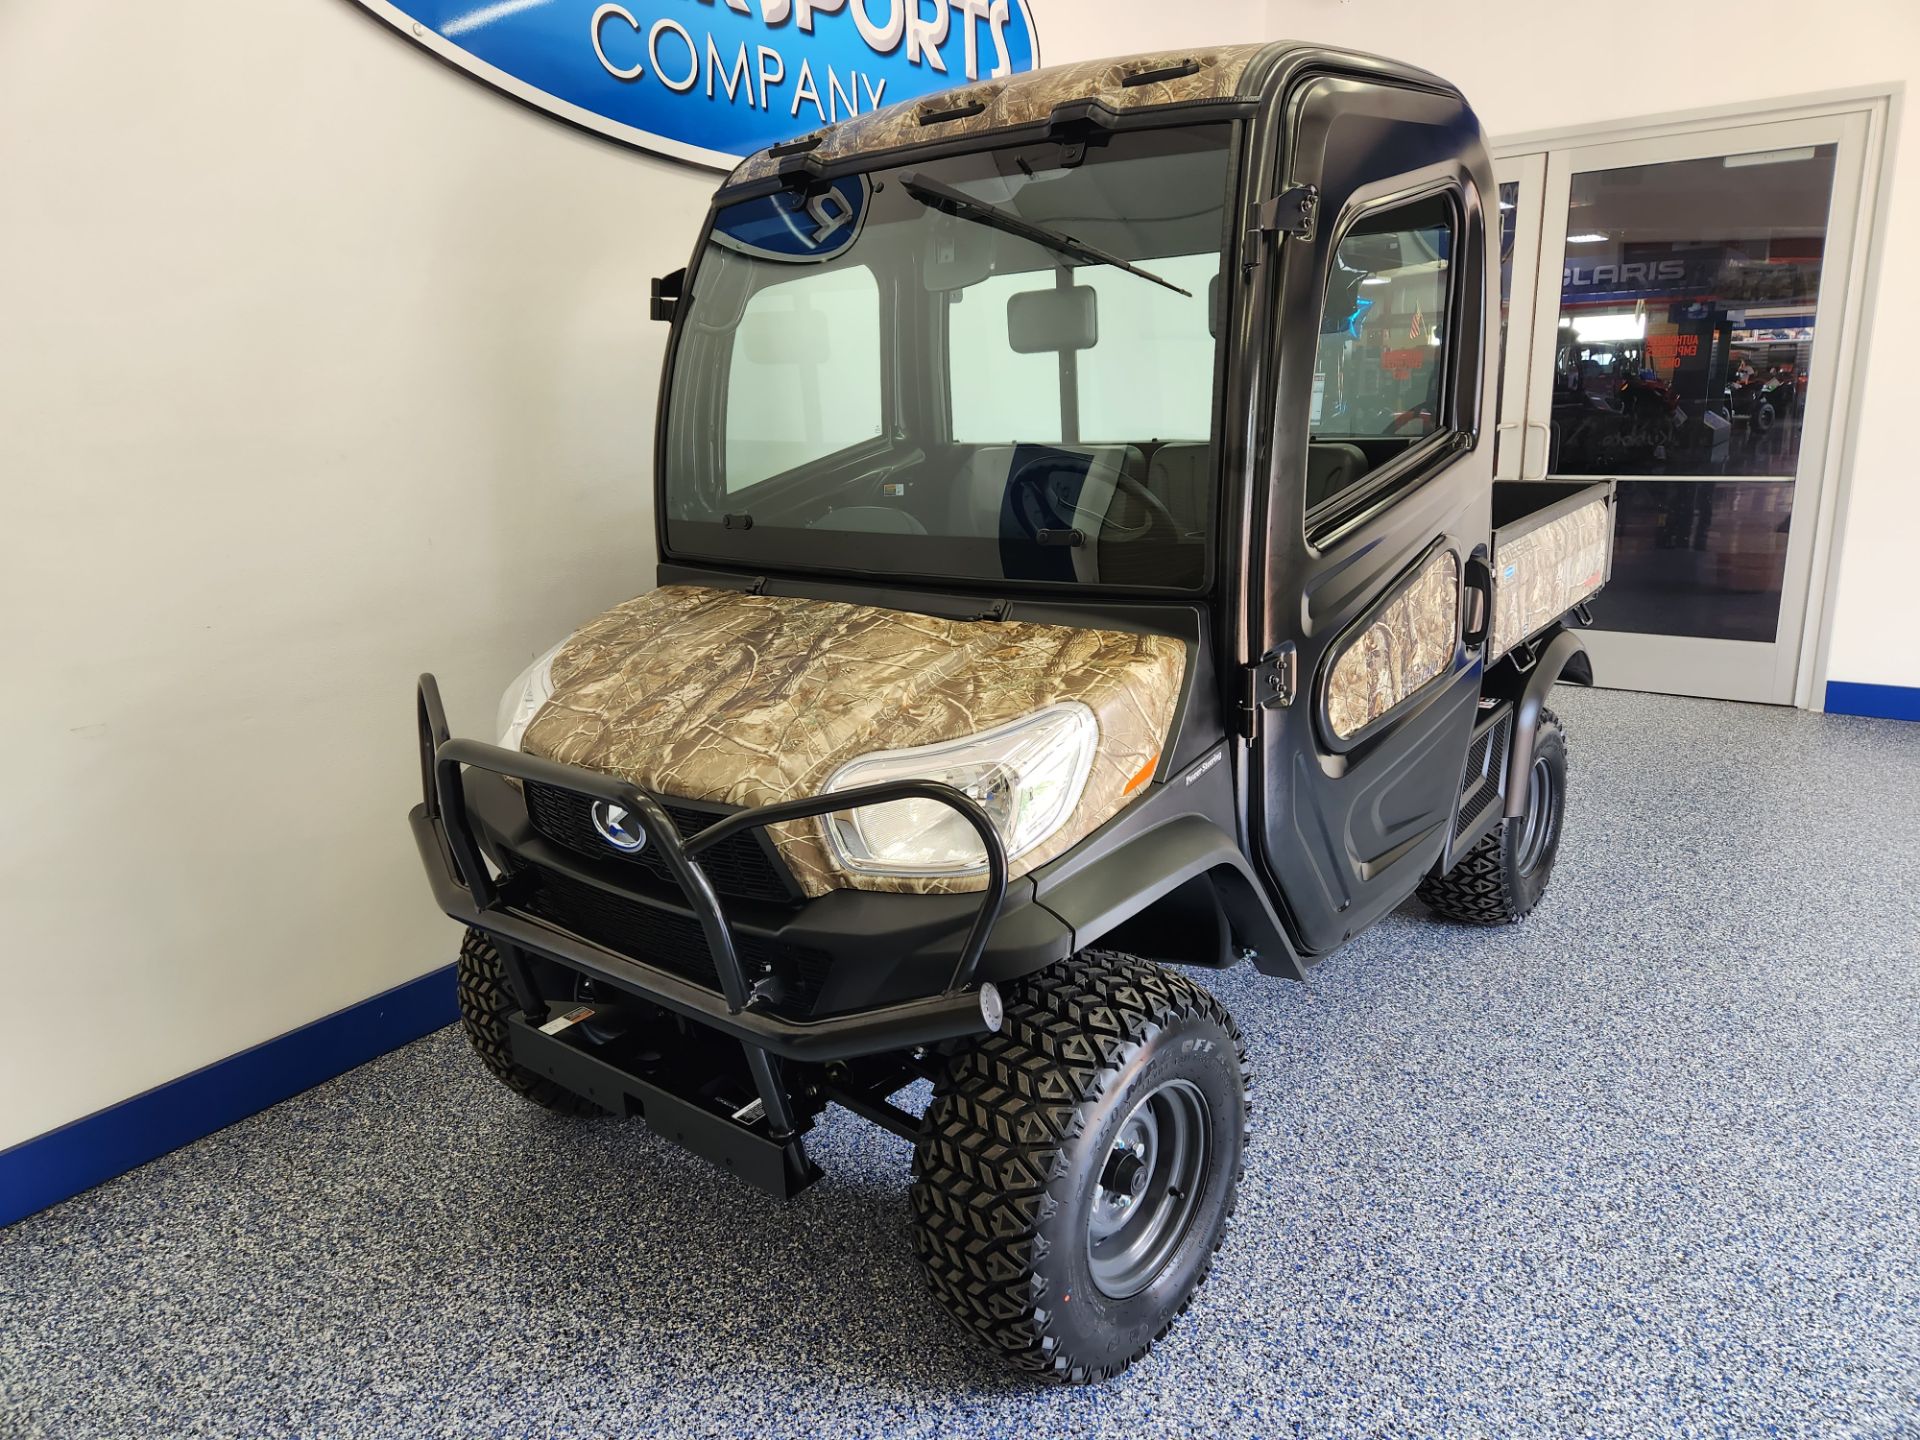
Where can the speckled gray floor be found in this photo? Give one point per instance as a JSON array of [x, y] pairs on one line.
[[1648, 1165]]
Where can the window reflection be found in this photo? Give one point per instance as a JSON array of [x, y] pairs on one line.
[[1687, 315], [1383, 351], [1698, 557], [1509, 232]]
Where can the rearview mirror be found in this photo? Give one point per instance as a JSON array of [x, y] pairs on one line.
[[1053, 320]]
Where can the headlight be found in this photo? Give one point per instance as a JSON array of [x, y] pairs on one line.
[[524, 698], [1027, 776]]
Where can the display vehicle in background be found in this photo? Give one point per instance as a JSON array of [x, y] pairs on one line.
[[1762, 399], [1080, 566]]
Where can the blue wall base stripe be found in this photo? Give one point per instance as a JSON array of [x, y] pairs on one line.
[[49, 1168], [1884, 702]]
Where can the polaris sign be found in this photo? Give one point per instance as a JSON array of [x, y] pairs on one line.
[[712, 81]]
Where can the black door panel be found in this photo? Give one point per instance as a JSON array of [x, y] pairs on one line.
[[1414, 785], [1357, 809]]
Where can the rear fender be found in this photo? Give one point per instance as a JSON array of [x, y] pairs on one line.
[[1560, 656]]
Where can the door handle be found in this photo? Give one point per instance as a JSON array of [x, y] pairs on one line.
[[1478, 616], [1530, 426]]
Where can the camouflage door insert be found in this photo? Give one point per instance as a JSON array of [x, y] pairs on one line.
[[1407, 643]]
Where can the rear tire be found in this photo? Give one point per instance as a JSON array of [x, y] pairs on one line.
[[1078, 1168], [1501, 879], [486, 1001]]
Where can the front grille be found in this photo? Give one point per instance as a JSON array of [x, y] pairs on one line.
[[664, 938], [743, 865], [1485, 760]]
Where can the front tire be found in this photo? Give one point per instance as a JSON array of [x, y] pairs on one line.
[[1501, 879], [1078, 1168], [485, 1003]]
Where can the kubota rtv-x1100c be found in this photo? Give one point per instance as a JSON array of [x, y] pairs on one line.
[[1080, 565]]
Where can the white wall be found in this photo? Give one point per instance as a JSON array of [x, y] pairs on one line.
[[320, 366], [1528, 66]]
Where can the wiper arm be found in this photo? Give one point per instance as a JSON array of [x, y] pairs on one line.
[[950, 201]]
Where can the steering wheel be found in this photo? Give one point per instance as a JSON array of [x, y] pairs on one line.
[[1158, 516], [1037, 508]]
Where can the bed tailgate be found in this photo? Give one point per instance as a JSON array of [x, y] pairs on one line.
[[1552, 549]]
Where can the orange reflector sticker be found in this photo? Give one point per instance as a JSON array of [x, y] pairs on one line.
[[1145, 774]]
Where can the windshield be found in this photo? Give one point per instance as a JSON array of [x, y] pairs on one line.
[[993, 366]]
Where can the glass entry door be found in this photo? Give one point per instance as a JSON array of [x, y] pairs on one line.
[[1684, 339]]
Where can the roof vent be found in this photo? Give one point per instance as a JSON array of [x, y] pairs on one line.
[[956, 108], [1170, 71]]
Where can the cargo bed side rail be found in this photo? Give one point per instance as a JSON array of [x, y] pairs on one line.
[[1552, 552]]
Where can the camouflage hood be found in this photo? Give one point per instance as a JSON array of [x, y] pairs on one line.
[[750, 699]]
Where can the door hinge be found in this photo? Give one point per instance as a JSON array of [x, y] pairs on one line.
[[1292, 213], [1270, 682]]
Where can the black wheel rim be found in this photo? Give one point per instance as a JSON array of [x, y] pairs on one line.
[[1543, 812], [1148, 1188]]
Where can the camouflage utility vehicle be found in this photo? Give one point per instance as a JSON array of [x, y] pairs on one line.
[[1080, 566]]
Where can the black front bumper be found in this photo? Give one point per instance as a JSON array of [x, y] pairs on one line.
[[907, 970]]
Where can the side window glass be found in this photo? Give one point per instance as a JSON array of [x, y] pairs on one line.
[[999, 395], [1148, 374], [804, 380], [1152, 372], [1385, 340]]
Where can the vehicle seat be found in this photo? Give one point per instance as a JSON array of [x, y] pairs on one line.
[[1333, 466]]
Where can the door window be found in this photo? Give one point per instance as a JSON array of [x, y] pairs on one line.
[[1385, 341]]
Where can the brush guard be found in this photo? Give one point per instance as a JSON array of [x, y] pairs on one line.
[[766, 1149]]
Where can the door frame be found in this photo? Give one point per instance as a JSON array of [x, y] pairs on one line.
[[1513, 430], [1866, 219]]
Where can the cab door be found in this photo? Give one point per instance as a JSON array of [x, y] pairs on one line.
[[1378, 503]]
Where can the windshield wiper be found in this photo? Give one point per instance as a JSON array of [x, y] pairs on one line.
[[949, 201]]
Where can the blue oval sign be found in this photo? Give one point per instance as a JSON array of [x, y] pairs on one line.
[[712, 81]]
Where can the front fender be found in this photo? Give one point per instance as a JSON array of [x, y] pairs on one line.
[[1181, 892]]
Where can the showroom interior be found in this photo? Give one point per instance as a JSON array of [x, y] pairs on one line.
[[333, 342]]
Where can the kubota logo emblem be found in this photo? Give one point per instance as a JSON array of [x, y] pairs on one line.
[[617, 827]]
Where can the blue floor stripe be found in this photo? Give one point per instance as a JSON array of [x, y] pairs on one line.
[[49, 1168], [1885, 702]]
